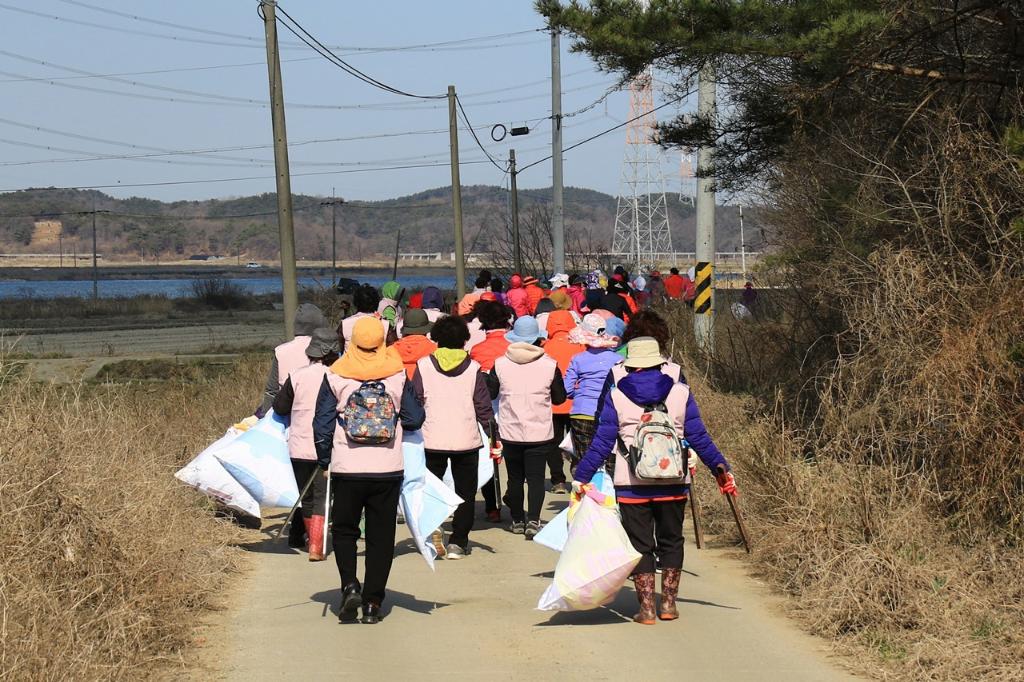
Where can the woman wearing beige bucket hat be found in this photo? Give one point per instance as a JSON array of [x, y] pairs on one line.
[[641, 424]]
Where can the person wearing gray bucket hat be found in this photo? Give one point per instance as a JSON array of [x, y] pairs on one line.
[[526, 330], [297, 399], [291, 355]]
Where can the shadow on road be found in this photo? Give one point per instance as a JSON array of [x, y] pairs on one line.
[[394, 600]]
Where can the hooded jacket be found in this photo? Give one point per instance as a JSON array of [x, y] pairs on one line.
[[560, 348], [533, 294], [646, 387], [518, 300], [526, 383], [432, 300], [490, 349], [453, 414], [585, 378], [412, 348]]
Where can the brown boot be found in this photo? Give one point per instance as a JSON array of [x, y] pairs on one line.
[[316, 538], [669, 590], [643, 583]]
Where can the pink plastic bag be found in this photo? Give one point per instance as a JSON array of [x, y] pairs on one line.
[[596, 561]]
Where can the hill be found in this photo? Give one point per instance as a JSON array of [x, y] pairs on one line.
[[247, 226]]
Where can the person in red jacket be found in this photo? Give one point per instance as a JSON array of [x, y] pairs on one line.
[[493, 319], [561, 350], [674, 284], [517, 297], [533, 293], [414, 343]]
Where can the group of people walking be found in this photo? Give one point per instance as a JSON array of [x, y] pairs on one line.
[[525, 371]]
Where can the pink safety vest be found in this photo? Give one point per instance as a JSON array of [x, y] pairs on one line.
[[291, 355], [629, 416], [349, 323], [356, 458], [306, 383], [451, 424], [524, 400], [476, 335]]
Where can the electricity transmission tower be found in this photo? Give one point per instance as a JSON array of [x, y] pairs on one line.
[[641, 218]]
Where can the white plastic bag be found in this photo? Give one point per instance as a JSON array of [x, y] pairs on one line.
[[597, 559], [484, 464], [425, 501], [554, 534], [566, 444], [206, 474], [258, 459]]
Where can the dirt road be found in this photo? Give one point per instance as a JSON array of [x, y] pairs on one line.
[[475, 619]]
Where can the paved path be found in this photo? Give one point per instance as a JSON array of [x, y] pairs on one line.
[[475, 620]]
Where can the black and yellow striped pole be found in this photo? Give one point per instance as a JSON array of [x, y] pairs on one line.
[[704, 273]]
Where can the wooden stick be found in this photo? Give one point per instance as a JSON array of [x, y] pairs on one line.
[[738, 515], [296, 505]]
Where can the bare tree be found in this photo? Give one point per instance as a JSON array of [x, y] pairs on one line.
[[536, 240]]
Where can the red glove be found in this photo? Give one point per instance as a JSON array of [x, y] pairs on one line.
[[727, 483], [496, 451]]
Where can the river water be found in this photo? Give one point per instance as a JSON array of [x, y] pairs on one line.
[[182, 287]]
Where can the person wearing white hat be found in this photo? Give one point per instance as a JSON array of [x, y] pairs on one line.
[[641, 424]]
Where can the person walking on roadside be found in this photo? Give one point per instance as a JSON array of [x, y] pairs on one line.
[[366, 301], [533, 293], [651, 503], [291, 355], [493, 319], [526, 383], [561, 348], [594, 290], [297, 399], [452, 390], [517, 297], [674, 284], [433, 303], [656, 288], [415, 343], [467, 302], [390, 306], [361, 414], [577, 293], [618, 301], [585, 377], [498, 289]]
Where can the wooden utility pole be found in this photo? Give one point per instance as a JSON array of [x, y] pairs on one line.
[[517, 252], [557, 208], [460, 255], [95, 268], [333, 203], [286, 227]]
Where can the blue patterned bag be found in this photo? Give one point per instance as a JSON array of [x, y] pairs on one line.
[[370, 416]]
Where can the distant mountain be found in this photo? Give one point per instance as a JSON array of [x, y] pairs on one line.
[[248, 225]]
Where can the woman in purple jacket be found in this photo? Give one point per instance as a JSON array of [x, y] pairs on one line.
[[652, 513]]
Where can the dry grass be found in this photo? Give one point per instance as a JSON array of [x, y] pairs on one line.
[[105, 560]]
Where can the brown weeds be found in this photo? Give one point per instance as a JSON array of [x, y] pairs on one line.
[[105, 560]]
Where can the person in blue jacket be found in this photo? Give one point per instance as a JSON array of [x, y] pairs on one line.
[[651, 512]]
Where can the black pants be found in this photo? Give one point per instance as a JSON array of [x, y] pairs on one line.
[[556, 464], [464, 465], [525, 463], [490, 499], [313, 500], [655, 528], [378, 499]]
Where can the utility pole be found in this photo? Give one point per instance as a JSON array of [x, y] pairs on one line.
[[703, 304], [333, 203], [95, 269], [60, 242], [286, 227], [460, 256], [557, 208], [743, 246], [517, 253]]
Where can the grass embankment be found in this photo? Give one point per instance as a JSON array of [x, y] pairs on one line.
[[905, 571], [106, 561]]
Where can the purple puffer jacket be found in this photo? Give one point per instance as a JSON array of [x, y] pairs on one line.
[[585, 378], [645, 388]]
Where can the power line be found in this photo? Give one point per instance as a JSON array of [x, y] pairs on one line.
[[238, 179], [465, 119], [181, 69]]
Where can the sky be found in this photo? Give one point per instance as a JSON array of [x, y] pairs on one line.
[[56, 111]]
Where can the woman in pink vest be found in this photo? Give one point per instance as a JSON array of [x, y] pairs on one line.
[[651, 511], [366, 477], [291, 355], [526, 383], [297, 398], [366, 301], [453, 393]]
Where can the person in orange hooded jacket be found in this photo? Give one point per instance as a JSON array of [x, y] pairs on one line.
[[533, 293], [559, 348], [517, 298], [414, 343]]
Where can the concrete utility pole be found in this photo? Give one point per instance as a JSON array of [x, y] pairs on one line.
[[460, 255], [704, 304], [557, 208], [286, 227], [517, 253], [95, 269], [333, 203], [743, 246]]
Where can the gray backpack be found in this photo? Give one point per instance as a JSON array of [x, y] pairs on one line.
[[656, 454]]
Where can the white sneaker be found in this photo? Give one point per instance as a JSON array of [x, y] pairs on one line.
[[454, 552]]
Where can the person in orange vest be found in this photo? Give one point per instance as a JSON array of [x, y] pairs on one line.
[[533, 293], [561, 350], [291, 355], [297, 399], [414, 343]]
